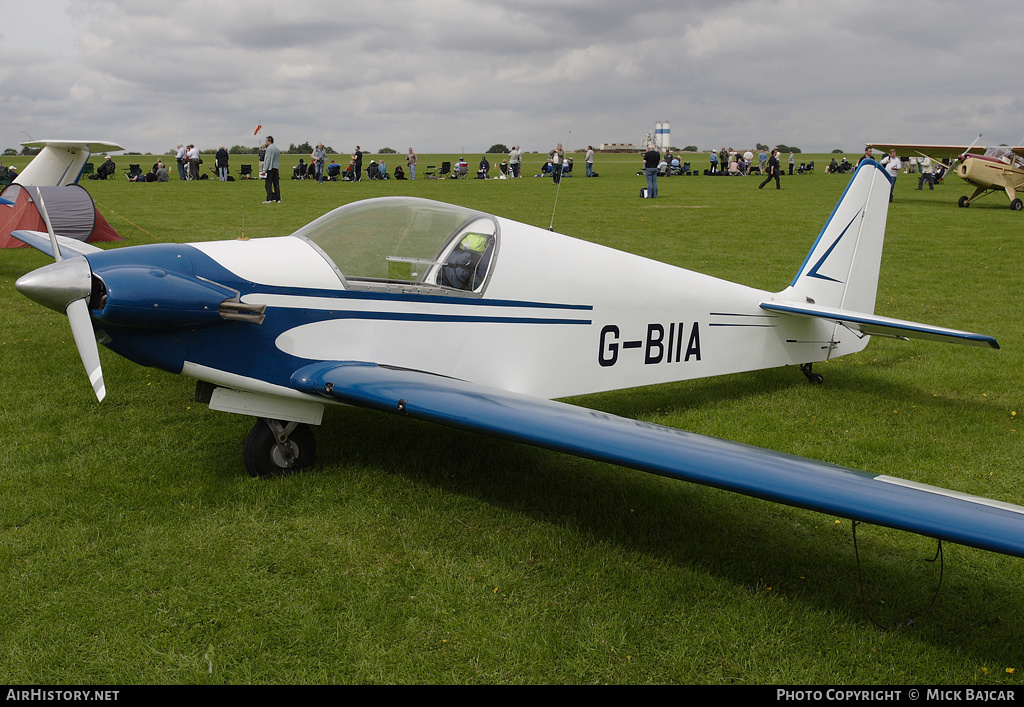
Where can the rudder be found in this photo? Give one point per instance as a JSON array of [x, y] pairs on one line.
[[841, 269]]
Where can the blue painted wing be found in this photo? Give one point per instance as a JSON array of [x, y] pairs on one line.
[[753, 471]]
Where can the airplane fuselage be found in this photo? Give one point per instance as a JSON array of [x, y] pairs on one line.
[[985, 172], [547, 322]]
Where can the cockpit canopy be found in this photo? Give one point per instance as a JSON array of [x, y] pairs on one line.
[[407, 244], [1000, 153], [1006, 155]]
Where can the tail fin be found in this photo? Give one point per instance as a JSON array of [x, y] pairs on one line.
[[839, 279], [842, 268], [61, 161]]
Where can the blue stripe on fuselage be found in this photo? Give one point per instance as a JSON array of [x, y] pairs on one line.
[[249, 349]]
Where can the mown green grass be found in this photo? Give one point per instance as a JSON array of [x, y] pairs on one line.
[[135, 549]]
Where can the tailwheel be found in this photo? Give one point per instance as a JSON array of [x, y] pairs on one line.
[[963, 202], [812, 377], [274, 447], [1016, 204]]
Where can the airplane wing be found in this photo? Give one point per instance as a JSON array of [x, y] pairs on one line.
[[773, 476], [936, 152], [68, 246], [881, 326], [90, 145], [60, 162]]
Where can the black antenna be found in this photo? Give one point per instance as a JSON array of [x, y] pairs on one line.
[[559, 187]]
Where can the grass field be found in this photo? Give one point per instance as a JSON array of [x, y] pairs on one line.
[[135, 549]]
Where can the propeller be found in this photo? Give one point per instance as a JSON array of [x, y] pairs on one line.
[[65, 286], [960, 157]]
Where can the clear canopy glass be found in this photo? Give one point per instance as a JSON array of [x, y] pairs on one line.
[[407, 240]]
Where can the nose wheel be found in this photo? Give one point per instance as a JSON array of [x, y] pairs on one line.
[[275, 447]]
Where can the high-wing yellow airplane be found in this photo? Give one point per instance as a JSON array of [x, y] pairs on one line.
[[987, 169]]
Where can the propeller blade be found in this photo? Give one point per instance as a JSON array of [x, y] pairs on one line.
[[85, 340], [65, 287], [49, 228], [961, 156]]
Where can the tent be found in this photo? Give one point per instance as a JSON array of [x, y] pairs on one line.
[[71, 210]]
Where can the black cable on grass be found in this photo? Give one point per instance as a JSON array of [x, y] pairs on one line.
[[860, 578]]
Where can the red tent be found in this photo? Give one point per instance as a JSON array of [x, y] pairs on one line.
[[71, 210]]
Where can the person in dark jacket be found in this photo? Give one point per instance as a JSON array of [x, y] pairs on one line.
[[222, 164], [107, 168], [772, 170]]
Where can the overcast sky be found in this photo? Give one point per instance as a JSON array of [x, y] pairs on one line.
[[462, 75]]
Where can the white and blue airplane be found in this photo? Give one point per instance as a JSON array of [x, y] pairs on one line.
[[442, 313]]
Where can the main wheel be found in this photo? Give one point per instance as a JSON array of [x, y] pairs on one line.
[[264, 455], [963, 202], [1017, 205]]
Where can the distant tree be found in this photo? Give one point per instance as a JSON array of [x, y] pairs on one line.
[[243, 150], [690, 148], [761, 147], [10, 152], [786, 148], [30, 151], [497, 149], [303, 149], [387, 151], [837, 151]]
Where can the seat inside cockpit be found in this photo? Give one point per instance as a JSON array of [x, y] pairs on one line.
[[407, 245]]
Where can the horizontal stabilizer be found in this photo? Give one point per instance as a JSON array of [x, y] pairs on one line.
[[670, 452], [880, 326], [68, 246]]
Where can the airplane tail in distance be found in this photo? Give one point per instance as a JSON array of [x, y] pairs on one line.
[[841, 270], [60, 162]]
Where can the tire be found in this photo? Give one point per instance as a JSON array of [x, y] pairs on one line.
[[263, 456], [963, 202], [1016, 204]]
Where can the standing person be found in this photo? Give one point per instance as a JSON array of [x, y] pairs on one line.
[[180, 155], [318, 157], [193, 162], [590, 160], [868, 155], [262, 154], [272, 166], [222, 164], [792, 161], [714, 162], [357, 158], [773, 170], [651, 159], [927, 175], [515, 158], [410, 161], [893, 166], [557, 157]]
